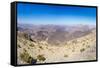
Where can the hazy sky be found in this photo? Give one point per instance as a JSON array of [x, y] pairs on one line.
[[48, 14]]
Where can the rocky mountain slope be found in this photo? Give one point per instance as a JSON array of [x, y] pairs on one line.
[[56, 46]]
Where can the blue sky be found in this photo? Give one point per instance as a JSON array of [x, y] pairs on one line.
[[61, 15]]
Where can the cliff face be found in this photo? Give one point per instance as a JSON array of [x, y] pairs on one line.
[[56, 46]]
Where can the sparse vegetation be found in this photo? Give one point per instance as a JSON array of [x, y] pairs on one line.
[[18, 46], [88, 46], [24, 56], [25, 42], [27, 58], [74, 41], [25, 35], [49, 42], [40, 47], [65, 55], [28, 48], [83, 44], [41, 58], [31, 45], [83, 49]]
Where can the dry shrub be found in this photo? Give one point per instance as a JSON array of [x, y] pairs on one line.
[[41, 58], [27, 58], [65, 55], [31, 45], [40, 47], [18, 46], [83, 49]]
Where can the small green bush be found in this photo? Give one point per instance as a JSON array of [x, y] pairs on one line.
[[24, 56], [41, 58], [83, 49]]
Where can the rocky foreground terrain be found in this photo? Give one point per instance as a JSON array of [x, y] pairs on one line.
[[55, 45]]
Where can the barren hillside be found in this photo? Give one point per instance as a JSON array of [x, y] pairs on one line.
[[44, 46]]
